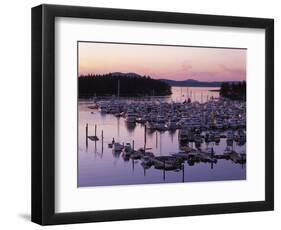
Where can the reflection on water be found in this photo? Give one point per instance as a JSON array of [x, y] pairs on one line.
[[200, 94], [98, 165]]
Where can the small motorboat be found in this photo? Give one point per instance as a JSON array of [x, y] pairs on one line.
[[117, 147]]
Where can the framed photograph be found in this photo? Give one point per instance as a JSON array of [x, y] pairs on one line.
[[142, 114]]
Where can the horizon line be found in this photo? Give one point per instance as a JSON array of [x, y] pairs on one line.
[[169, 79]]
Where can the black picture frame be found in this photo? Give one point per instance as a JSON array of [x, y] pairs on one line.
[[43, 113]]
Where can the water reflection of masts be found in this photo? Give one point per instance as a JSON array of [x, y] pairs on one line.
[[118, 128], [164, 171], [181, 94], [144, 147], [130, 126], [160, 144], [171, 134]]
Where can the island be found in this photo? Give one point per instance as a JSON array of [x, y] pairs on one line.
[[121, 84], [234, 90]]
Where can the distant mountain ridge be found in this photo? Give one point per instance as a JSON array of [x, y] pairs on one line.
[[192, 83], [183, 83]]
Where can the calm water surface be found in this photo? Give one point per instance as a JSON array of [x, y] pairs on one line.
[[98, 166]]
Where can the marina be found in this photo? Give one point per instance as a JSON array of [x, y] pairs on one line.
[[192, 135]]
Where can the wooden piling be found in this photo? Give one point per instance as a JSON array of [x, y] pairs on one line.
[[133, 146], [133, 166], [182, 173], [87, 135], [102, 141], [242, 161], [212, 156], [144, 137]]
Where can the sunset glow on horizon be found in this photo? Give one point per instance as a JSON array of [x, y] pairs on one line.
[[163, 62]]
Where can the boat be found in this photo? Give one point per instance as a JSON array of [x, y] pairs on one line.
[[209, 150], [160, 126], [150, 125], [117, 147], [103, 108], [229, 138], [228, 150], [131, 116], [207, 155], [240, 136], [128, 148], [167, 162], [183, 135], [186, 149], [217, 137], [146, 162], [172, 124]]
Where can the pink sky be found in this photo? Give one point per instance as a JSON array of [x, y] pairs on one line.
[[169, 62]]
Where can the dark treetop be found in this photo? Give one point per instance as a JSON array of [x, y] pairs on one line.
[[129, 85], [235, 91]]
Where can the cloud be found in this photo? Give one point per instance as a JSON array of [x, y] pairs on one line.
[[233, 71], [186, 67]]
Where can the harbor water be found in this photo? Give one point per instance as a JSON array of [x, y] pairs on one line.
[[99, 165]]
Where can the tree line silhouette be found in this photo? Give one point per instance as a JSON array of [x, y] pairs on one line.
[[107, 85], [234, 90]]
